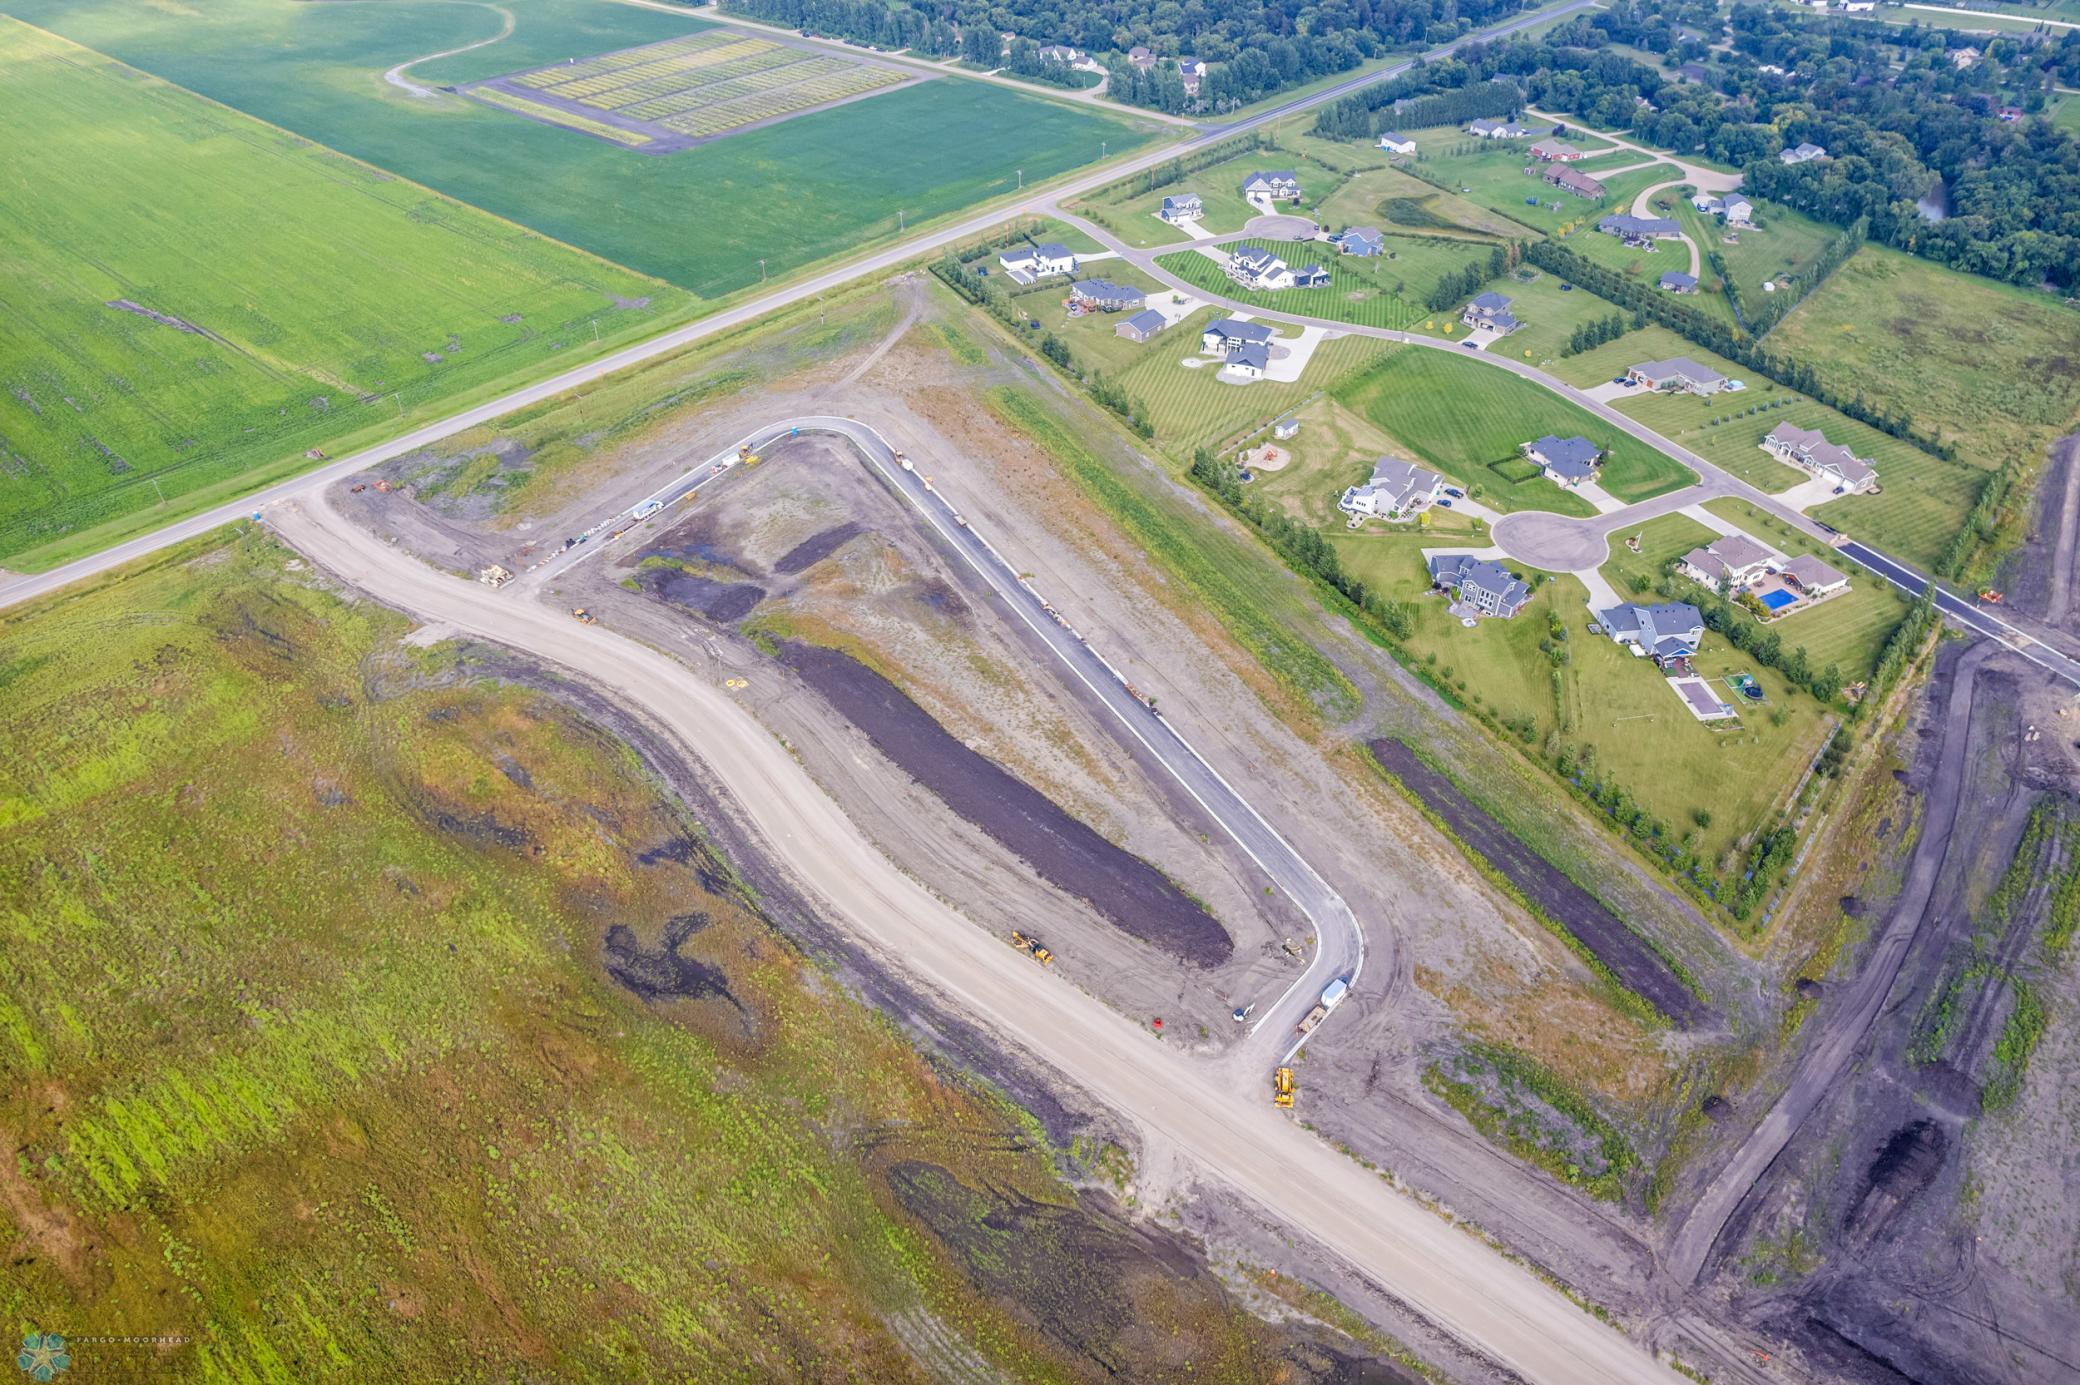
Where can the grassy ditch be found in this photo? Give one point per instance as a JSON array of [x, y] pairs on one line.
[[1520, 1105]]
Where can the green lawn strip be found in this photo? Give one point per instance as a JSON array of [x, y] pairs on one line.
[[1386, 291], [1549, 313], [1202, 559], [1488, 1085]]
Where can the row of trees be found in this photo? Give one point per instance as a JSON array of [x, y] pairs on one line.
[[871, 22], [1373, 112], [1590, 335], [1466, 280]]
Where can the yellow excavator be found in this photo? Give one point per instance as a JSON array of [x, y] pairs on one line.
[[1032, 947], [1282, 1088], [583, 616]]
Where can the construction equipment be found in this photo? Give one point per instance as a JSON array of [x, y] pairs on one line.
[[746, 456], [1313, 1018], [583, 616], [1282, 1088], [1032, 947], [648, 508], [494, 576], [1990, 596]]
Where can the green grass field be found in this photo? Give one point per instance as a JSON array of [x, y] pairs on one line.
[[1781, 246], [1386, 291], [319, 297], [1462, 417], [1991, 368], [1396, 201], [703, 218], [1549, 314], [1848, 631]]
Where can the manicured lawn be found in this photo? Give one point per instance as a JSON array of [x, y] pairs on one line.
[[1462, 417], [1992, 368], [1384, 291], [1633, 576], [703, 218], [1491, 174], [309, 296], [1779, 248], [1337, 448], [1848, 631], [1548, 313], [1129, 211], [1393, 200]]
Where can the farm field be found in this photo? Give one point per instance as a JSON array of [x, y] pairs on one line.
[[1991, 368], [789, 193], [279, 298], [389, 1065], [1463, 418], [1386, 291]]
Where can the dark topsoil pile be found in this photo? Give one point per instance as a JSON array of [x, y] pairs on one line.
[[1126, 890], [1635, 964]]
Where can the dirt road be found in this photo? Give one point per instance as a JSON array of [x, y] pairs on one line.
[[1482, 1299]]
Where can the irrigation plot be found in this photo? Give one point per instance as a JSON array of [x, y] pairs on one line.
[[686, 91]]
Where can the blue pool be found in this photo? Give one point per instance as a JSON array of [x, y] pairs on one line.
[[1778, 599]]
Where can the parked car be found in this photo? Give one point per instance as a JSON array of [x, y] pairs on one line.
[[1446, 503], [1455, 493]]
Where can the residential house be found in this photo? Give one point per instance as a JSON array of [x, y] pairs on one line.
[[1494, 127], [1254, 267], [1486, 586], [1287, 427], [1735, 209], [1228, 334], [2009, 114], [1675, 281], [1142, 325], [1104, 296], [1183, 206], [1395, 142], [1574, 181], [1362, 241], [1677, 374], [1566, 461], [1397, 490], [1812, 576], [1772, 70], [1061, 53], [1490, 312], [1639, 230], [1249, 360], [1966, 56], [1809, 450], [1727, 563], [1038, 261], [1192, 71], [1281, 186], [1555, 151], [1856, 6], [1140, 58], [1668, 632], [1802, 153]]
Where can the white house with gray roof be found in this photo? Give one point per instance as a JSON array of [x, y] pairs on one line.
[[1489, 312], [1226, 334], [1398, 490], [1394, 142], [1802, 153], [1282, 185], [1183, 206], [1728, 563], [1678, 374], [1668, 632], [1484, 585], [1639, 230], [1567, 461], [1494, 127], [1038, 261], [1809, 450], [1254, 267], [1250, 360]]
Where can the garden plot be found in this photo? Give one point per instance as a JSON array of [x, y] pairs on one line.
[[685, 91]]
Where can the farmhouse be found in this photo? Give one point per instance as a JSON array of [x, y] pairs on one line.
[[1227, 334], [1802, 153], [1809, 450], [1184, 206], [1396, 143], [1567, 461], [1668, 632], [1104, 296], [1639, 230], [1397, 491], [1492, 127], [1555, 151], [1675, 281], [1488, 587], [1142, 325], [1573, 180], [1727, 563], [1490, 312], [1249, 360], [1362, 241], [1677, 374], [1039, 260], [1281, 186], [1813, 577]]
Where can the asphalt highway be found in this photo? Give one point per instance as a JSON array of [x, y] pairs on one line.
[[1234, 1138]]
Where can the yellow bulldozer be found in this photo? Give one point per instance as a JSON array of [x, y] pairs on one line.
[[1032, 947], [583, 616], [1282, 1088]]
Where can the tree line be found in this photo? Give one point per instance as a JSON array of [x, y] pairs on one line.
[[1465, 281]]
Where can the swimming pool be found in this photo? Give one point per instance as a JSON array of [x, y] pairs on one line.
[[1778, 599]]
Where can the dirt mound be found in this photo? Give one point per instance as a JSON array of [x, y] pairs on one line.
[[722, 602], [1124, 889], [1907, 1163]]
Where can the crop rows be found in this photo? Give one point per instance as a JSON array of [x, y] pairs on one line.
[[611, 65], [727, 89], [653, 69], [774, 60], [713, 119], [520, 104]]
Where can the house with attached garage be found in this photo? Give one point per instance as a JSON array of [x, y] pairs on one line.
[[1802, 153], [1397, 491], [1565, 461], [1668, 632], [1813, 577], [1489, 312], [1142, 325], [1572, 180], [1675, 281], [1809, 450], [1486, 586], [1395, 142], [1140, 58], [1038, 261], [1282, 186], [1250, 360], [1362, 241], [1639, 231], [1104, 296], [1678, 374], [1494, 127], [1184, 206], [1733, 209], [1254, 267], [1728, 563], [1226, 335], [1555, 151], [1192, 71]]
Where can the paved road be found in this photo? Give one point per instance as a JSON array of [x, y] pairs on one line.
[[1968, 613], [1847, 1016], [1339, 942], [1235, 1137]]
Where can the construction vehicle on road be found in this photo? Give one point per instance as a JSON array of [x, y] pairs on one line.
[[1282, 1088], [583, 616], [746, 456], [1311, 1019], [1032, 947], [495, 575]]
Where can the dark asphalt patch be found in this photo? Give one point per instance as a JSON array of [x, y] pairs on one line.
[[1637, 966], [1125, 890], [817, 547]]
